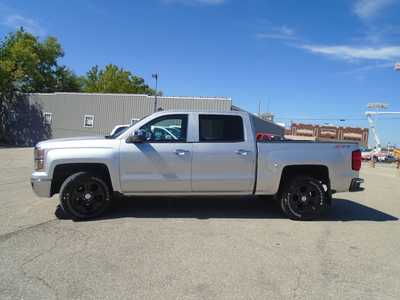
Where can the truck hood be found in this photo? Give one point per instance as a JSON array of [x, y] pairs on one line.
[[78, 142]]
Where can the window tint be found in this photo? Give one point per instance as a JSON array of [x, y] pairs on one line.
[[170, 128], [221, 128]]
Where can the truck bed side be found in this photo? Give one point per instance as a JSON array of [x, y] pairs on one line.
[[274, 157]]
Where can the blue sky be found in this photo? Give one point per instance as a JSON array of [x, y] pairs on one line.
[[304, 60]]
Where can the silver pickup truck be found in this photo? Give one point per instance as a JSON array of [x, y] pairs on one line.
[[175, 153]]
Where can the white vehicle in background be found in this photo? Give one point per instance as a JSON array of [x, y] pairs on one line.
[[376, 155], [117, 130], [165, 133], [366, 154], [175, 153]]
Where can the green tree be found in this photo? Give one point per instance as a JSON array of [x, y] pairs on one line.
[[67, 81], [113, 79], [28, 65]]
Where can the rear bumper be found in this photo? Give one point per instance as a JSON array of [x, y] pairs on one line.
[[41, 185], [355, 185]]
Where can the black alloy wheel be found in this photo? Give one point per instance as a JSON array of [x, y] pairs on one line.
[[304, 199], [84, 196]]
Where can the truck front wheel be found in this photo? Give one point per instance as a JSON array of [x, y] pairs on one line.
[[84, 196], [304, 198]]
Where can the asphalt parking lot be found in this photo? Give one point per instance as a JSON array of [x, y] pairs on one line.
[[198, 248]]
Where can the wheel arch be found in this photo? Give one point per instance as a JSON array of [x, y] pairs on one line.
[[62, 171], [319, 172]]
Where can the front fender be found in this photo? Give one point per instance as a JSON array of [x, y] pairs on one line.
[[107, 156]]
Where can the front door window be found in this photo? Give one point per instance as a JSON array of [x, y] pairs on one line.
[[171, 128]]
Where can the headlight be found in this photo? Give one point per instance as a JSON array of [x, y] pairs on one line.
[[38, 156]]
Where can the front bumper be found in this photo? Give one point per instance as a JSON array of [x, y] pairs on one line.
[[355, 185], [41, 185]]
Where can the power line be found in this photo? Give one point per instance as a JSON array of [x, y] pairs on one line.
[[319, 119], [332, 119]]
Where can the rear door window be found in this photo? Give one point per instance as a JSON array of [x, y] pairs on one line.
[[221, 128]]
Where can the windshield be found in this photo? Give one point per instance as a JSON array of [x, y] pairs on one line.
[[118, 132], [121, 130]]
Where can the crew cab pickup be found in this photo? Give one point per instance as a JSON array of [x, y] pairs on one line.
[[177, 153]]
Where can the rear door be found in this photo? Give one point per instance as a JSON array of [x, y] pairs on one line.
[[224, 155]]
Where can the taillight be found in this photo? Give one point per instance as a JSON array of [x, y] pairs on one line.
[[356, 160]]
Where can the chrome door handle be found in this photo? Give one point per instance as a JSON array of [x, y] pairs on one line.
[[242, 152], [181, 152]]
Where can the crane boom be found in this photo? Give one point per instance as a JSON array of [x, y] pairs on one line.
[[373, 129], [382, 113], [372, 124]]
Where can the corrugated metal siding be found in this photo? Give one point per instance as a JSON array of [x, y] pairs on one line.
[[194, 104], [68, 109]]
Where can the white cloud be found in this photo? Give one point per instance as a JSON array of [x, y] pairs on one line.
[[367, 68], [389, 53], [286, 30], [29, 25], [196, 2], [365, 9], [278, 33]]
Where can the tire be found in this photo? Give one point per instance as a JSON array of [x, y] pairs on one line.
[[304, 198], [84, 196]]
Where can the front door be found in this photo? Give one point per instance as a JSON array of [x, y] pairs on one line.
[[160, 164]]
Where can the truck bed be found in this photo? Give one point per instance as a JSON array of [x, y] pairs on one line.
[[274, 156]]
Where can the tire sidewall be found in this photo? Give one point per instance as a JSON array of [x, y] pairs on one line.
[[65, 199], [292, 213]]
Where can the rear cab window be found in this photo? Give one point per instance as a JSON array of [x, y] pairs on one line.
[[220, 128]]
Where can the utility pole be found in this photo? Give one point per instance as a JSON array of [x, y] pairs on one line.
[[259, 108], [155, 76]]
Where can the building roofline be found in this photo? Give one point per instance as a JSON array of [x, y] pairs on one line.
[[202, 111], [142, 95], [332, 125]]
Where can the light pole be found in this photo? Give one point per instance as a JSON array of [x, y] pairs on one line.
[[155, 76], [397, 151]]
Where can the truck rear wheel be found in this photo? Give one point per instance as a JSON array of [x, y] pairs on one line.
[[84, 196], [304, 198]]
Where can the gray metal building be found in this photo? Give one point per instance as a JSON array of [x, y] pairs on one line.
[[82, 114]]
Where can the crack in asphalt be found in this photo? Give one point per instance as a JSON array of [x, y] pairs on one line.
[[37, 277], [74, 232], [4, 237], [84, 238], [81, 236]]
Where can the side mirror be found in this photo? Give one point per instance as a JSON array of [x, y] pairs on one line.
[[138, 137]]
